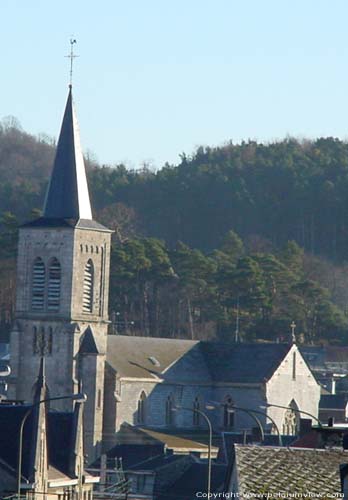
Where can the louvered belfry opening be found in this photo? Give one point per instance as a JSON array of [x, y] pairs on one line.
[[38, 285], [88, 287], [54, 286]]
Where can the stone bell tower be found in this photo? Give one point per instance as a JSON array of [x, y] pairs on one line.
[[62, 291]]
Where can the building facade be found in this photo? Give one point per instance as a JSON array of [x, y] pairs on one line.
[[62, 290]]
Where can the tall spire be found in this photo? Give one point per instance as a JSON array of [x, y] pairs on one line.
[[67, 194]]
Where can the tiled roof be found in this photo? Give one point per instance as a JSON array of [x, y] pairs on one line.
[[262, 470], [176, 359]]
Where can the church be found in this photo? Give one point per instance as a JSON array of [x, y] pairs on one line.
[[62, 315]]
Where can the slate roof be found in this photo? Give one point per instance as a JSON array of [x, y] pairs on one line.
[[10, 421], [59, 438], [194, 480], [88, 345], [333, 402], [67, 195], [192, 360], [130, 356], [45, 222], [272, 470], [151, 464], [243, 363]]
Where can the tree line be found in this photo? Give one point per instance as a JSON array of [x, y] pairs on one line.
[[233, 242]]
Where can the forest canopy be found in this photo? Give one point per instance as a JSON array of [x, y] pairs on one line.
[[234, 241]]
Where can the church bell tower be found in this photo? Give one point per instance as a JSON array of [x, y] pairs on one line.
[[62, 291]]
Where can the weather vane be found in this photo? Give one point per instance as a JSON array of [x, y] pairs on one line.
[[72, 56]]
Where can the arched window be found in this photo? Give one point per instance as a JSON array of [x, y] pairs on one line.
[[196, 415], [87, 305], [291, 420], [53, 292], [38, 285], [169, 410], [228, 413], [141, 415]]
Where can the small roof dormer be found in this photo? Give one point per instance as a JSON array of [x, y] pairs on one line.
[[67, 195]]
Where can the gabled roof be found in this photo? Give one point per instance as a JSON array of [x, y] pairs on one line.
[[243, 363], [194, 480], [11, 416], [88, 345], [193, 360], [289, 470], [67, 195], [131, 357]]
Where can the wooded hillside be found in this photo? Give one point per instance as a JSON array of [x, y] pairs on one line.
[[249, 236]]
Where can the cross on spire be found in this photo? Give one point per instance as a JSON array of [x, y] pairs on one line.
[[71, 56], [293, 326]]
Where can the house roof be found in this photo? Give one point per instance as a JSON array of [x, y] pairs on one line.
[[177, 359], [262, 470], [157, 462], [194, 480], [11, 417], [326, 358], [333, 402]]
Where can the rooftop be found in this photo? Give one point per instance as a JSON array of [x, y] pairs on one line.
[[263, 470]]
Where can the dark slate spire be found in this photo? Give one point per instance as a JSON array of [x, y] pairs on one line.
[[67, 194]]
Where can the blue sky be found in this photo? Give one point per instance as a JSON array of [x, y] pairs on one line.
[[155, 78]]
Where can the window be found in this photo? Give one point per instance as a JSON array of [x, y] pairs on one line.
[[53, 293], [99, 402], [38, 285], [228, 413], [141, 408], [87, 304], [294, 366], [35, 341], [50, 340], [196, 415], [291, 421], [169, 410]]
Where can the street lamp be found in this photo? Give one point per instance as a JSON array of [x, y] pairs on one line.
[[251, 412], [269, 405], [200, 412], [5, 371], [79, 398]]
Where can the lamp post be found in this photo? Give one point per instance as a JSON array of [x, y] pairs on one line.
[[200, 412], [251, 412], [269, 405], [5, 371], [80, 398]]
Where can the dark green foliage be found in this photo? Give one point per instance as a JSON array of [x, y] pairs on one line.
[[263, 232]]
